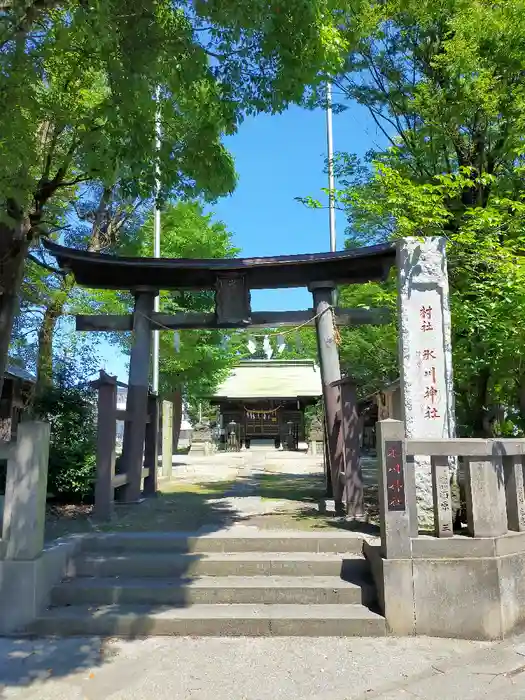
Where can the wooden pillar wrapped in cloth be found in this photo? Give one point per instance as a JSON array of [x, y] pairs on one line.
[[137, 399], [352, 430], [330, 373]]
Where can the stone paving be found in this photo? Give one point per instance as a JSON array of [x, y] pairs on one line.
[[246, 469], [262, 669]]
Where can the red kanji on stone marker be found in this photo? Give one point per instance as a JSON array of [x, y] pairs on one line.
[[431, 373], [431, 412], [427, 326], [425, 312], [429, 354], [430, 393], [396, 469]]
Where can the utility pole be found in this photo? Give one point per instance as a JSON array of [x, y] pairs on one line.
[[331, 182], [156, 238]]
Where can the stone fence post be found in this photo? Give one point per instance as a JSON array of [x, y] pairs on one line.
[[28, 572], [485, 497], [106, 438], [396, 490], [26, 491], [167, 439]]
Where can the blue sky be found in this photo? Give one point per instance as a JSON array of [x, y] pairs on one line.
[[278, 158]]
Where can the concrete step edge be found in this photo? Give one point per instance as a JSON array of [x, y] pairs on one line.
[[233, 541], [217, 610], [221, 556], [213, 582], [211, 620]]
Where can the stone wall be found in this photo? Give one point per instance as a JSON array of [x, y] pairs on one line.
[[478, 587]]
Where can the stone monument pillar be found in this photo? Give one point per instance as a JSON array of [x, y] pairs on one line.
[[427, 396]]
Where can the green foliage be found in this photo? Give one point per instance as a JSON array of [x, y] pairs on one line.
[[78, 80], [205, 356], [369, 353], [443, 82], [85, 86], [70, 411]]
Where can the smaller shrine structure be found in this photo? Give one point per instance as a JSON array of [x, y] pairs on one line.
[[266, 400]]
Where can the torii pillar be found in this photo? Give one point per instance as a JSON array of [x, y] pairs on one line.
[[322, 293], [137, 398]]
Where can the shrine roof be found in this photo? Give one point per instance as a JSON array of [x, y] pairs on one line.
[[13, 370], [103, 271], [271, 379]]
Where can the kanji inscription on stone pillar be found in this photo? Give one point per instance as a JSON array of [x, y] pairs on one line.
[[425, 353]]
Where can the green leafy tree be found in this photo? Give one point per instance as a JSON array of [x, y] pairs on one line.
[[443, 82], [192, 362], [98, 221], [68, 404], [77, 87]]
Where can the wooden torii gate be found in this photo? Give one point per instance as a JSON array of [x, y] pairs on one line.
[[232, 280]]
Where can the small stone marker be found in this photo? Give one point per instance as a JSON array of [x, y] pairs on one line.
[[443, 526], [515, 493], [394, 491]]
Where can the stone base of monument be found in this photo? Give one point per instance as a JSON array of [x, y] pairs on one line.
[[327, 506], [316, 448], [461, 587], [202, 448]]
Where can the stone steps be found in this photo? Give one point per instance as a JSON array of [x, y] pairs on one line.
[[245, 541], [162, 564], [211, 620], [232, 584], [256, 590]]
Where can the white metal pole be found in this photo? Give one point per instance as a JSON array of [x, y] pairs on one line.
[[156, 237], [331, 182]]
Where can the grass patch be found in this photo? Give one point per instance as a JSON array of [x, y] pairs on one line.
[[291, 487], [185, 506], [177, 506]]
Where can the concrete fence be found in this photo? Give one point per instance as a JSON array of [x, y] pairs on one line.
[[465, 583], [108, 478]]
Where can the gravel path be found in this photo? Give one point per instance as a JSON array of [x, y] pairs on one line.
[[237, 669]]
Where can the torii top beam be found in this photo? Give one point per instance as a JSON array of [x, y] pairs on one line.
[[102, 271]]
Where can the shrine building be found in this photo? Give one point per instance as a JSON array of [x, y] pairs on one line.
[[266, 400]]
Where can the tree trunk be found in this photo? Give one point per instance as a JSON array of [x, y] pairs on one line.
[[479, 405], [52, 314], [177, 417], [521, 395], [13, 250], [45, 349]]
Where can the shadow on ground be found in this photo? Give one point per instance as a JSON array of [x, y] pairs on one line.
[[27, 660], [289, 501]]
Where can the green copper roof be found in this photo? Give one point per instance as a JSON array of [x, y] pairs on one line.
[[272, 379]]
